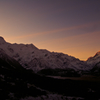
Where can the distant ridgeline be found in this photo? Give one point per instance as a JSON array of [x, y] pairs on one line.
[[45, 62]]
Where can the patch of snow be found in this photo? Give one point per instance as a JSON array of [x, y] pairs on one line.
[[51, 97]]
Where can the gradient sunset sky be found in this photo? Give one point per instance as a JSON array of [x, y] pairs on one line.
[[68, 26]]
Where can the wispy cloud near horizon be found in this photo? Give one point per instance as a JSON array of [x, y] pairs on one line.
[[88, 26]]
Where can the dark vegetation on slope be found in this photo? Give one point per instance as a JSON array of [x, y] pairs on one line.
[[96, 69], [87, 89], [14, 82]]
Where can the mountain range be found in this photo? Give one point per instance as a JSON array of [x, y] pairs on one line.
[[25, 74], [30, 57]]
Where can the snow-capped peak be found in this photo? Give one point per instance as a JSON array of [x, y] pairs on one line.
[[92, 61], [89, 58], [98, 53], [95, 56]]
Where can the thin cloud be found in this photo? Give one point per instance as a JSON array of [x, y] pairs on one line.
[[29, 35], [74, 37]]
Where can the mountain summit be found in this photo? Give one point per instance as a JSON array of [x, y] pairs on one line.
[[2, 41], [92, 61]]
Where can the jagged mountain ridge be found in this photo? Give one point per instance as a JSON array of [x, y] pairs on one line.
[[94, 60], [30, 57]]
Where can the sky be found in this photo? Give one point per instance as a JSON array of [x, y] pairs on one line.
[[68, 26]]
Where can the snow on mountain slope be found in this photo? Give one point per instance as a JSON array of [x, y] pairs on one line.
[[8, 62], [92, 61], [31, 57]]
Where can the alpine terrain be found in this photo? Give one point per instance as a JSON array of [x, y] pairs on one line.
[[29, 73], [30, 57]]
